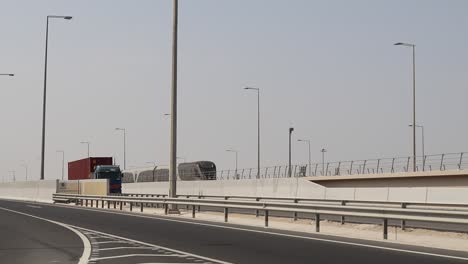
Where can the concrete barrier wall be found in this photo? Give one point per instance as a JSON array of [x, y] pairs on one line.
[[300, 188], [37, 191]]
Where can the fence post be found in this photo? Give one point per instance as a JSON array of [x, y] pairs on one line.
[[378, 165], [364, 167], [326, 172], [193, 211], [316, 166], [442, 161], [317, 222], [385, 229], [407, 164], [459, 164], [424, 163], [131, 206], [266, 218], [250, 174], [393, 163], [226, 211]]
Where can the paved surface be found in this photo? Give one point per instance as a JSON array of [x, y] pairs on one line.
[[24, 239], [187, 241]]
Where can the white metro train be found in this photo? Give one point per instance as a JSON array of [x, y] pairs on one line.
[[189, 171]]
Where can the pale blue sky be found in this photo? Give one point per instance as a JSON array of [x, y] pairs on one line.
[[329, 68]]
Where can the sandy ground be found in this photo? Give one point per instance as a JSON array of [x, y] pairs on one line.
[[409, 236]]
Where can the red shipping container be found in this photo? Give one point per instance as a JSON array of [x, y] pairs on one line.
[[84, 168]]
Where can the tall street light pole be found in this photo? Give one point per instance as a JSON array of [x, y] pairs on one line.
[[291, 129], [63, 162], [87, 143], [45, 92], [124, 145], [413, 47], [323, 161], [310, 162], [173, 151], [236, 152], [422, 134], [258, 128], [25, 166]]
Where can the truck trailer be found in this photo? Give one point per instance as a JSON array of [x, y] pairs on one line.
[[96, 168]]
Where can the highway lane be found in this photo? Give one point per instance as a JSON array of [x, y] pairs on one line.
[[232, 243], [24, 239]]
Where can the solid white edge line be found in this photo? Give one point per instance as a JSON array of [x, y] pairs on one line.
[[164, 218], [136, 255], [86, 244]]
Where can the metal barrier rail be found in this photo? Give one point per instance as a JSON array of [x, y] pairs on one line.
[[404, 214], [343, 202]]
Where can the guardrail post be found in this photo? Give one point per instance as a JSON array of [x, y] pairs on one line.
[[343, 203], [295, 213], [131, 206], [92, 201], [86, 202], [187, 206], [226, 211], [385, 229], [108, 204], [257, 211], [120, 204], [266, 218], [317, 223], [193, 211], [102, 204], [165, 208], [141, 207], [115, 204], [403, 222]]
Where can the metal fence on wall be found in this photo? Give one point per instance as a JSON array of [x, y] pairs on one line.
[[438, 162]]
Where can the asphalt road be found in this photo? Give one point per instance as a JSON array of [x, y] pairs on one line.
[[126, 238], [24, 239]]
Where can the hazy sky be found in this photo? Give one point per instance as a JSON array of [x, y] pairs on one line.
[[328, 68]]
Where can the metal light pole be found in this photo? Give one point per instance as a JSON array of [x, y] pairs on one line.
[[291, 129], [87, 143], [63, 162], [124, 145], [25, 166], [236, 152], [414, 98], [173, 151], [323, 161], [422, 134], [45, 92], [14, 175], [310, 162], [258, 128]]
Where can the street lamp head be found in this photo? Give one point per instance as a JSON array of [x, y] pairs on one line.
[[11, 74], [251, 88], [404, 44], [67, 17], [291, 129]]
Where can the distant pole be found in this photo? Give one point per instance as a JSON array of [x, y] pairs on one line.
[[25, 166], [258, 128], [124, 145], [45, 92], [291, 129], [63, 162], [87, 143], [310, 161], [414, 98], [173, 151], [7, 74], [323, 161], [236, 152]]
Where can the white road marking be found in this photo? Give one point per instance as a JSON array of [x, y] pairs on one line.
[[33, 206], [136, 255], [114, 248], [86, 244], [108, 242]]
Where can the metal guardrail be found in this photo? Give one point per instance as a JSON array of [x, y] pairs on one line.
[[385, 214]]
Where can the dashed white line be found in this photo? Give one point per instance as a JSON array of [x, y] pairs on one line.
[[115, 248]]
